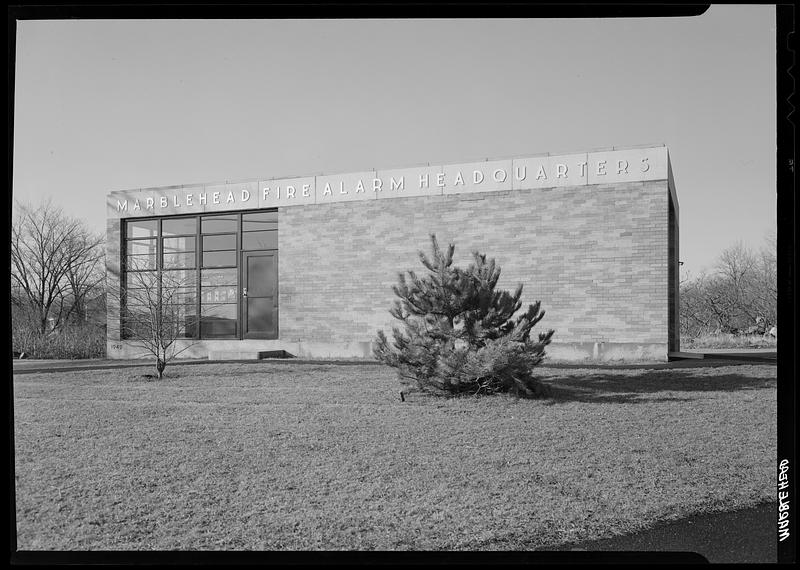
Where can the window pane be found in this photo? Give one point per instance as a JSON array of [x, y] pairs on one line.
[[140, 262], [180, 321], [142, 228], [218, 320], [137, 312], [177, 226], [179, 287], [179, 296], [211, 327], [141, 299], [220, 311], [216, 277], [142, 287], [137, 300], [177, 321], [219, 258], [225, 294], [141, 247], [173, 279], [260, 240], [215, 243], [214, 224], [260, 221], [179, 260], [141, 280], [133, 328], [174, 245]]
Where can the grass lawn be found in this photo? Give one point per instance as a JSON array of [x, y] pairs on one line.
[[284, 456]]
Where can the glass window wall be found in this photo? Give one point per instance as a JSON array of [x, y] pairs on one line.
[[184, 272]]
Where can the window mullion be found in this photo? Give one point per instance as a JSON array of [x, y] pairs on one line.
[[160, 278], [198, 257], [240, 302]]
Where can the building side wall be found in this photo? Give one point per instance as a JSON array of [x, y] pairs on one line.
[[596, 256], [674, 279], [113, 275]]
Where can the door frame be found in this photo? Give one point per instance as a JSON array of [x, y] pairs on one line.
[[242, 299]]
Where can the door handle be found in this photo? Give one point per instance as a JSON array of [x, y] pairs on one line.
[[244, 291]]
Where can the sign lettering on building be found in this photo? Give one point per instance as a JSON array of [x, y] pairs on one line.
[[607, 167]]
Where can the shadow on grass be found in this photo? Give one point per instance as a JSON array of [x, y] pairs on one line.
[[644, 386]]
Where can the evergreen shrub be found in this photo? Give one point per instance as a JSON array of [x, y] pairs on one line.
[[458, 333]]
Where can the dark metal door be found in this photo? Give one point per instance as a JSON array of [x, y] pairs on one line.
[[260, 294]]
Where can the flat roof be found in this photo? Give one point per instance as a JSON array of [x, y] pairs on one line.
[[408, 166]]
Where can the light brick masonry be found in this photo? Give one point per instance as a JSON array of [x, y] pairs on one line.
[[598, 256]]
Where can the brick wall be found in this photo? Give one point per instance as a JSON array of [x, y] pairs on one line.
[[596, 256]]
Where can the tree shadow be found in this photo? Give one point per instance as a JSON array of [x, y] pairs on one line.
[[643, 386]]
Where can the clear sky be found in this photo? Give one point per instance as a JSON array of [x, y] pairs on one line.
[[105, 105]]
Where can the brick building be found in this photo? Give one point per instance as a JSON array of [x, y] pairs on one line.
[[306, 264]]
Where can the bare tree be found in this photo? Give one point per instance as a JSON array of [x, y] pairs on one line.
[[739, 296], [159, 309], [768, 279], [52, 255], [85, 281], [696, 318], [749, 287]]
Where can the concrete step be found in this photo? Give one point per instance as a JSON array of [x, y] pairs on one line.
[[676, 355], [246, 354]]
